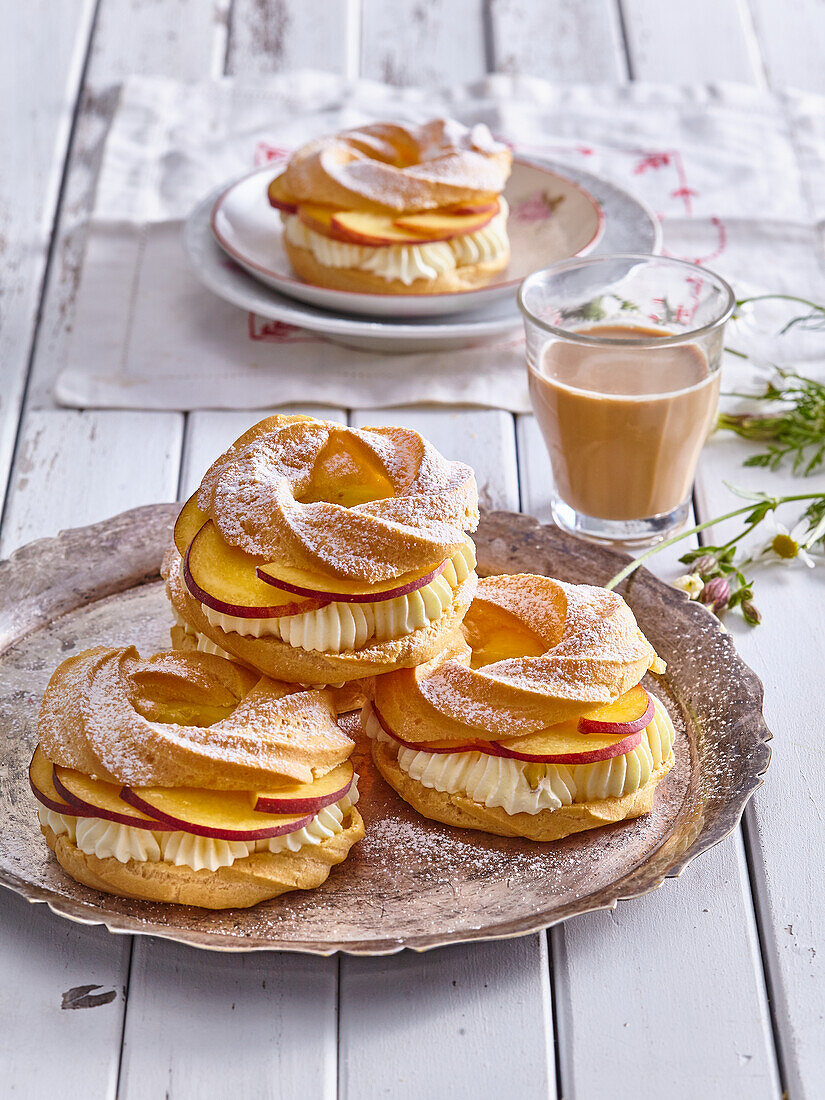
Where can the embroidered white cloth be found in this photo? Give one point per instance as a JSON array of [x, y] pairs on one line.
[[737, 176]]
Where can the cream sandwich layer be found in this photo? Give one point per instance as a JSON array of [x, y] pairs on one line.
[[100, 838], [345, 627], [405, 262], [521, 787]]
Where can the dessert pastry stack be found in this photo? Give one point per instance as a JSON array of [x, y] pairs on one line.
[[534, 722], [324, 555], [319, 568], [187, 778], [394, 209]]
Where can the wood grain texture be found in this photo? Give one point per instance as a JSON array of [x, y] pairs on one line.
[[209, 1026], [501, 1016], [566, 40], [783, 820], [186, 39], [42, 53], [71, 469], [270, 36], [792, 42], [74, 468], [423, 41], [468, 1022], [705, 40], [609, 967]]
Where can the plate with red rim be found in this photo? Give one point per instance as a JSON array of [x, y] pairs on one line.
[[627, 225], [552, 217], [410, 882]]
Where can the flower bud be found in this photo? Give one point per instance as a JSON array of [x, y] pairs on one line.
[[691, 583], [716, 594], [751, 613], [706, 564]]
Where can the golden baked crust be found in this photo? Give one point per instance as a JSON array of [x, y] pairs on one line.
[[459, 810], [465, 277], [282, 661], [346, 698], [393, 166], [247, 882], [574, 648]]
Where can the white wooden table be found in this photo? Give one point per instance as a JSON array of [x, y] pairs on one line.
[[714, 986]]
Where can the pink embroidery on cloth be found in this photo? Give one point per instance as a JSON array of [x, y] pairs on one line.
[[276, 332], [266, 153]]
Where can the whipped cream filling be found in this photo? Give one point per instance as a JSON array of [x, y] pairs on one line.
[[103, 839], [344, 627], [517, 786], [406, 262]]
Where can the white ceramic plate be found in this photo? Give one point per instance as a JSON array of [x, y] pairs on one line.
[[551, 218], [629, 226]]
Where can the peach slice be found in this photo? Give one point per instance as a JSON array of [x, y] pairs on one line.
[[359, 227], [434, 746], [96, 798], [222, 815], [306, 797], [338, 590], [189, 522], [317, 217], [223, 577], [631, 712], [437, 226], [279, 197], [41, 781], [563, 744]]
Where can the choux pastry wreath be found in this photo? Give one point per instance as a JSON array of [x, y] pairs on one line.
[[323, 555], [533, 723], [319, 568], [186, 778], [395, 209]]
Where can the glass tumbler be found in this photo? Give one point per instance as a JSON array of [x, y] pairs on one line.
[[623, 359]]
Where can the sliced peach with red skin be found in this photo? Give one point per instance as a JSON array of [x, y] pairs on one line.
[[360, 227], [630, 713], [41, 781], [439, 226], [306, 797], [564, 744], [189, 522], [340, 590], [222, 815], [223, 577], [97, 798], [279, 196]]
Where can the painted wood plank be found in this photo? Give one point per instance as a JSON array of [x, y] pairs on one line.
[[71, 469], [792, 41], [284, 1006], [279, 35], [468, 1022], [415, 42], [638, 976], [42, 53], [566, 40], [705, 40], [782, 821], [186, 39], [208, 1026], [74, 468], [410, 1023]]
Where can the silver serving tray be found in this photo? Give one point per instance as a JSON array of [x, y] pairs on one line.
[[411, 882]]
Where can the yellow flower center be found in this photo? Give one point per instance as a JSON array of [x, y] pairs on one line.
[[785, 547]]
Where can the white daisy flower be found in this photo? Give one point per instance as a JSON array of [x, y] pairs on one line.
[[787, 546], [691, 583]]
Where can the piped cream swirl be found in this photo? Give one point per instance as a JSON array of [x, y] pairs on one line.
[[344, 627], [521, 787], [105, 839], [405, 262]]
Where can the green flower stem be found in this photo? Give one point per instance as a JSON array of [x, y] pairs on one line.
[[774, 503]]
